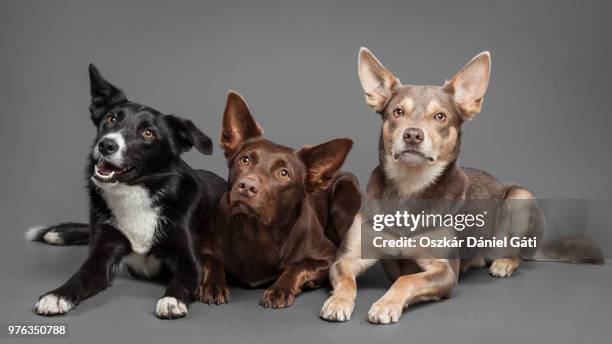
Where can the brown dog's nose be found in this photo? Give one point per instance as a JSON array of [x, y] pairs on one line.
[[248, 186], [413, 136]]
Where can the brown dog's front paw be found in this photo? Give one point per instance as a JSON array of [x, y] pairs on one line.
[[277, 298], [216, 294]]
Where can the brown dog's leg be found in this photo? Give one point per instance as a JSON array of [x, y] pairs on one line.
[[308, 272], [437, 281], [213, 289]]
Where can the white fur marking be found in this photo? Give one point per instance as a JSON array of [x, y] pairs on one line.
[[53, 238], [169, 307], [52, 305], [134, 214], [33, 233], [410, 180]]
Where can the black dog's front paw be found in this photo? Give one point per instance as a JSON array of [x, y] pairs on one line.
[[170, 308], [277, 298], [211, 293], [51, 304]]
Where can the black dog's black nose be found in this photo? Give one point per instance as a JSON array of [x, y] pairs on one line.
[[248, 187], [107, 146], [413, 136]]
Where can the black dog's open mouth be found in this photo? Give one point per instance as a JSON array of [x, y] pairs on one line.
[[106, 172]]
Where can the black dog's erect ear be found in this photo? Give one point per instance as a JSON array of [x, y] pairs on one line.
[[323, 161], [238, 124], [103, 94], [187, 135]]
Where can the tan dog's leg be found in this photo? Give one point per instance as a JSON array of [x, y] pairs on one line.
[[437, 281], [343, 274], [519, 222], [504, 267]]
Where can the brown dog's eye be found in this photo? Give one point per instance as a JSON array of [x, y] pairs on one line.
[[440, 116], [111, 118], [245, 160], [283, 173], [398, 112], [147, 134]]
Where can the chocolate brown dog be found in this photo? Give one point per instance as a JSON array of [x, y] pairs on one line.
[[283, 215]]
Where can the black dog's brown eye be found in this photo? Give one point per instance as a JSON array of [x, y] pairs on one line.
[[245, 160], [283, 173], [147, 134], [398, 112], [111, 118], [440, 116]]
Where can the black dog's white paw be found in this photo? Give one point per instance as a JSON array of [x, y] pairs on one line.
[[170, 308], [51, 304]]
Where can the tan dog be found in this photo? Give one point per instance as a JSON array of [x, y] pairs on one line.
[[418, 149]]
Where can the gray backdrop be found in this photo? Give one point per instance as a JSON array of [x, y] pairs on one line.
[[545, 121]]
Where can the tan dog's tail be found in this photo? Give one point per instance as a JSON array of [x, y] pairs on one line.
[[574, 249]]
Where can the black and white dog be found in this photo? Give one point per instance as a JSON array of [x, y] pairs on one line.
[[147, 205]]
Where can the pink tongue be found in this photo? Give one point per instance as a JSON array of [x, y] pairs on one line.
[[105, 168]]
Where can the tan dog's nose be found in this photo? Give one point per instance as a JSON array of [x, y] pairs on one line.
[[248, 186], [413, 136]]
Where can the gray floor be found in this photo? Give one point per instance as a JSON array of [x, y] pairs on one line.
[[543, 303]]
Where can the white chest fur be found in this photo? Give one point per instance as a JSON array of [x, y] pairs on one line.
[[134, 214], [410, 180]]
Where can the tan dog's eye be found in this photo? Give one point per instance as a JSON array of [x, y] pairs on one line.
[[245, 160], [111, 118], [398, 112], [147, 135], [440, 116], [283, 173]]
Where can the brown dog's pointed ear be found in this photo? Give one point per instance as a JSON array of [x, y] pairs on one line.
[[323, 161], [469, 85], [377, 82], [238, 125]]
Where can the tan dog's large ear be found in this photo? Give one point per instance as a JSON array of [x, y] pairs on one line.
[[323, 161], [469, 85], [377, 82], [238, 125]]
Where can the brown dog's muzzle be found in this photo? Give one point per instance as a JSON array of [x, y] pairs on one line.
[[248, 186]]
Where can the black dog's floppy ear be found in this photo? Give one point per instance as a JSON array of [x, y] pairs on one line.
[[186, 135], [323, 161], [103, 94], [238, 124]]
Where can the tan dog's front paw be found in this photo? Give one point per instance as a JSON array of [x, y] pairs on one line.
[[337, 309], [216, 294], [385, 312], [277, 298], [504, 267]]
